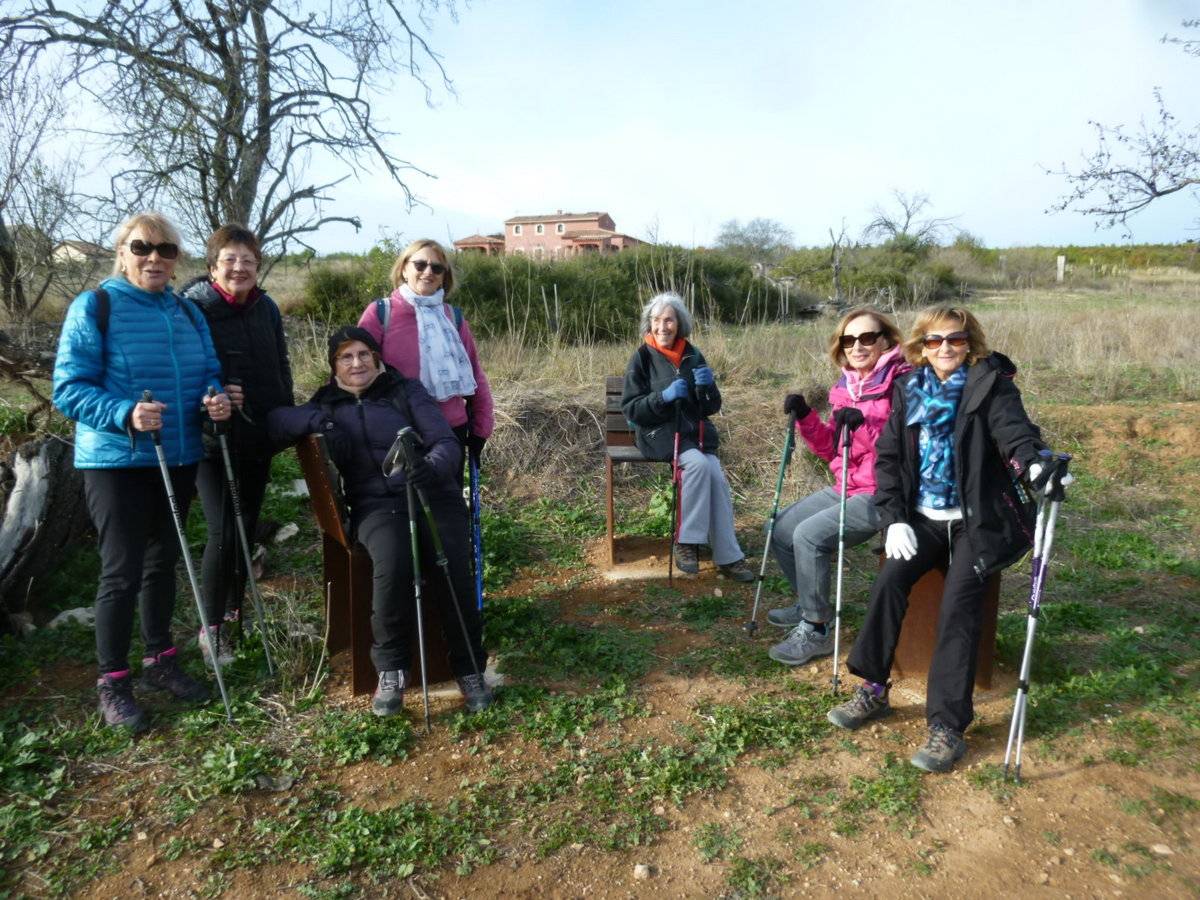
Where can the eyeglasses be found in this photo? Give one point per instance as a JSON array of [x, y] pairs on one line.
[[349, 359], [421, 264], [956, 339], [166, 249], [247, 262], [867, 339]]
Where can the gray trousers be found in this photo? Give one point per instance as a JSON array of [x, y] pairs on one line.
[[706, 515], [806, 539]]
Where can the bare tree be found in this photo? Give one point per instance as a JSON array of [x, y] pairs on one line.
[[1131, 168], [759, 240], [220, 108], [906, 221]]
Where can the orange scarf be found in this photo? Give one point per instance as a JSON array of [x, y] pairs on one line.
[[674, 353]]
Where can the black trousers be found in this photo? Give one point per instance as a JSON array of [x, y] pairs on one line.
[[951, 683], [222, 569], [384, 531], [138, 552]]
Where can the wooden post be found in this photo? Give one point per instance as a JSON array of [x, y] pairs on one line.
[[1062, 269]]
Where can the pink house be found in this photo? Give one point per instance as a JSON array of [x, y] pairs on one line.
[[555, 236]]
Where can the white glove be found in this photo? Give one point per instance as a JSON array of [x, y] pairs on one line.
[[1035, 469], [900, 542]]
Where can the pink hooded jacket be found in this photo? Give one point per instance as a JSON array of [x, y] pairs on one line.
[[873, 397]]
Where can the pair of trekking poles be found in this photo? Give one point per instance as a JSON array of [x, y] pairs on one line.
[[243, 539]]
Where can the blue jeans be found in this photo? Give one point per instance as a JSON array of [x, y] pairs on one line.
[[806, 538]]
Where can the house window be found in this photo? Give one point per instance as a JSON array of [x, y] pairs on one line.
[[516, 229], [560, 228], [540, 229]]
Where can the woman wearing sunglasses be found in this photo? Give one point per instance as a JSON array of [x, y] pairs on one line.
[[130, 335], [247, 331], [427, 339], [957, 440], [866, 348]]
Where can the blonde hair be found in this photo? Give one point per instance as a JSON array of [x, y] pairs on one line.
[[977, 347], [886, 325], [155, 224], [397, 273]]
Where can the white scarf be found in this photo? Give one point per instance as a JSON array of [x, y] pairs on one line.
[[445, 369]]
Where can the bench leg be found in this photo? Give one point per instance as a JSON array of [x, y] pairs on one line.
[[336, 567], [362, 670], [608, 497]]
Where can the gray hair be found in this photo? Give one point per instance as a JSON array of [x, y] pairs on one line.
[[673, 300]]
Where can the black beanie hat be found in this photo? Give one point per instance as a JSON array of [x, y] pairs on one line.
[[347, 334]]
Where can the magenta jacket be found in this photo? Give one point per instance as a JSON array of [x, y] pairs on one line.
[[873, 396], [400, 351]]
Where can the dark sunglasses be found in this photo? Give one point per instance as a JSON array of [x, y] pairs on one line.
[[956, 339], [867, 339], [420, 265], [166, 249]]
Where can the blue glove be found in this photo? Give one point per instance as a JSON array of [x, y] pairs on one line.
[[676, 390], [704, 376]]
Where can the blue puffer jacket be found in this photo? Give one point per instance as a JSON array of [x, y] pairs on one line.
[[154, 341]]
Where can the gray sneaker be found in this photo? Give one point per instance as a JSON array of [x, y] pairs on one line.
[[687, 559], [389, 695], [476, 692], [117, 706], [737, 571], [943, 748], [860, 709], [785, 617], [221, 637], [802, 644]]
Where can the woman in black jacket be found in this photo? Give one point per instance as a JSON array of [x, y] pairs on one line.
[[247, 332], [359, 412], [956, 443], [667, 381]]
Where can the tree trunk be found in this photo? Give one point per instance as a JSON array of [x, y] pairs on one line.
[[12, 291]]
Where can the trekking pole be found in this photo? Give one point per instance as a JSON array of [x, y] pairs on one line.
[[788, 443], [408, 441], [1043, 542], [416, 564], [849, 423], [177, 518], [235, 499], [675, 500], [476, 526]]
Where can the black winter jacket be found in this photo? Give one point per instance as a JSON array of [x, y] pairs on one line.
[[360, 430], [994, 445], [646, 376], [251, 346]]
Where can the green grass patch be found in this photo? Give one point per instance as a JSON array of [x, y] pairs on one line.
[[715, 841]]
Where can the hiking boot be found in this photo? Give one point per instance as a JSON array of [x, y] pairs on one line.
[[737, 571], [389, 694], [476, 692], [687, 559], [803, 643], [162, 673], [943, 748], [785, 616], [864, 706], [117, 705], [222, 636]]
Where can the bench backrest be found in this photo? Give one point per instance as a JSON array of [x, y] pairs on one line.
[[324, 489], [617, 430]]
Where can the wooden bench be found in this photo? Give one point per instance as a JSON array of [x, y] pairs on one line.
[[618, 448], [348, 583]]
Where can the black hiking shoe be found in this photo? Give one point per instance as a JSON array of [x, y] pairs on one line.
[[389, 694], [737, 571], [117, 706], [860, 709], [943, 748], [162, 673], [476, 692], [687, 559]]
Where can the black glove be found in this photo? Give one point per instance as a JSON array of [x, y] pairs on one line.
[[420, 473], [848, 417], [794, 404], [475, 445]]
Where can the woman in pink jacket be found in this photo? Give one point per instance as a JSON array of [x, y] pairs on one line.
[[427, 339], [866, 346]]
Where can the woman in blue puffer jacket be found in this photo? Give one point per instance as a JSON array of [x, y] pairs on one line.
[[130, 335]]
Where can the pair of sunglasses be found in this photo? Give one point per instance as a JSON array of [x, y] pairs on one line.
[[421, 265], [867, 339], [166, 249], [956, 339]]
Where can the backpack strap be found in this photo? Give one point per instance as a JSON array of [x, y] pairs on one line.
[[458, 318], [383, 312], [103, 308]]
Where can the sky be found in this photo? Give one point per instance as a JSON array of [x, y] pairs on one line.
[[675, 117]]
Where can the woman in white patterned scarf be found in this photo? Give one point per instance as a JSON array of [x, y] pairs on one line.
[[427, 339]]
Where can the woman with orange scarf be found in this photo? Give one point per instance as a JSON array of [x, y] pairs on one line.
[[668, 381]]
